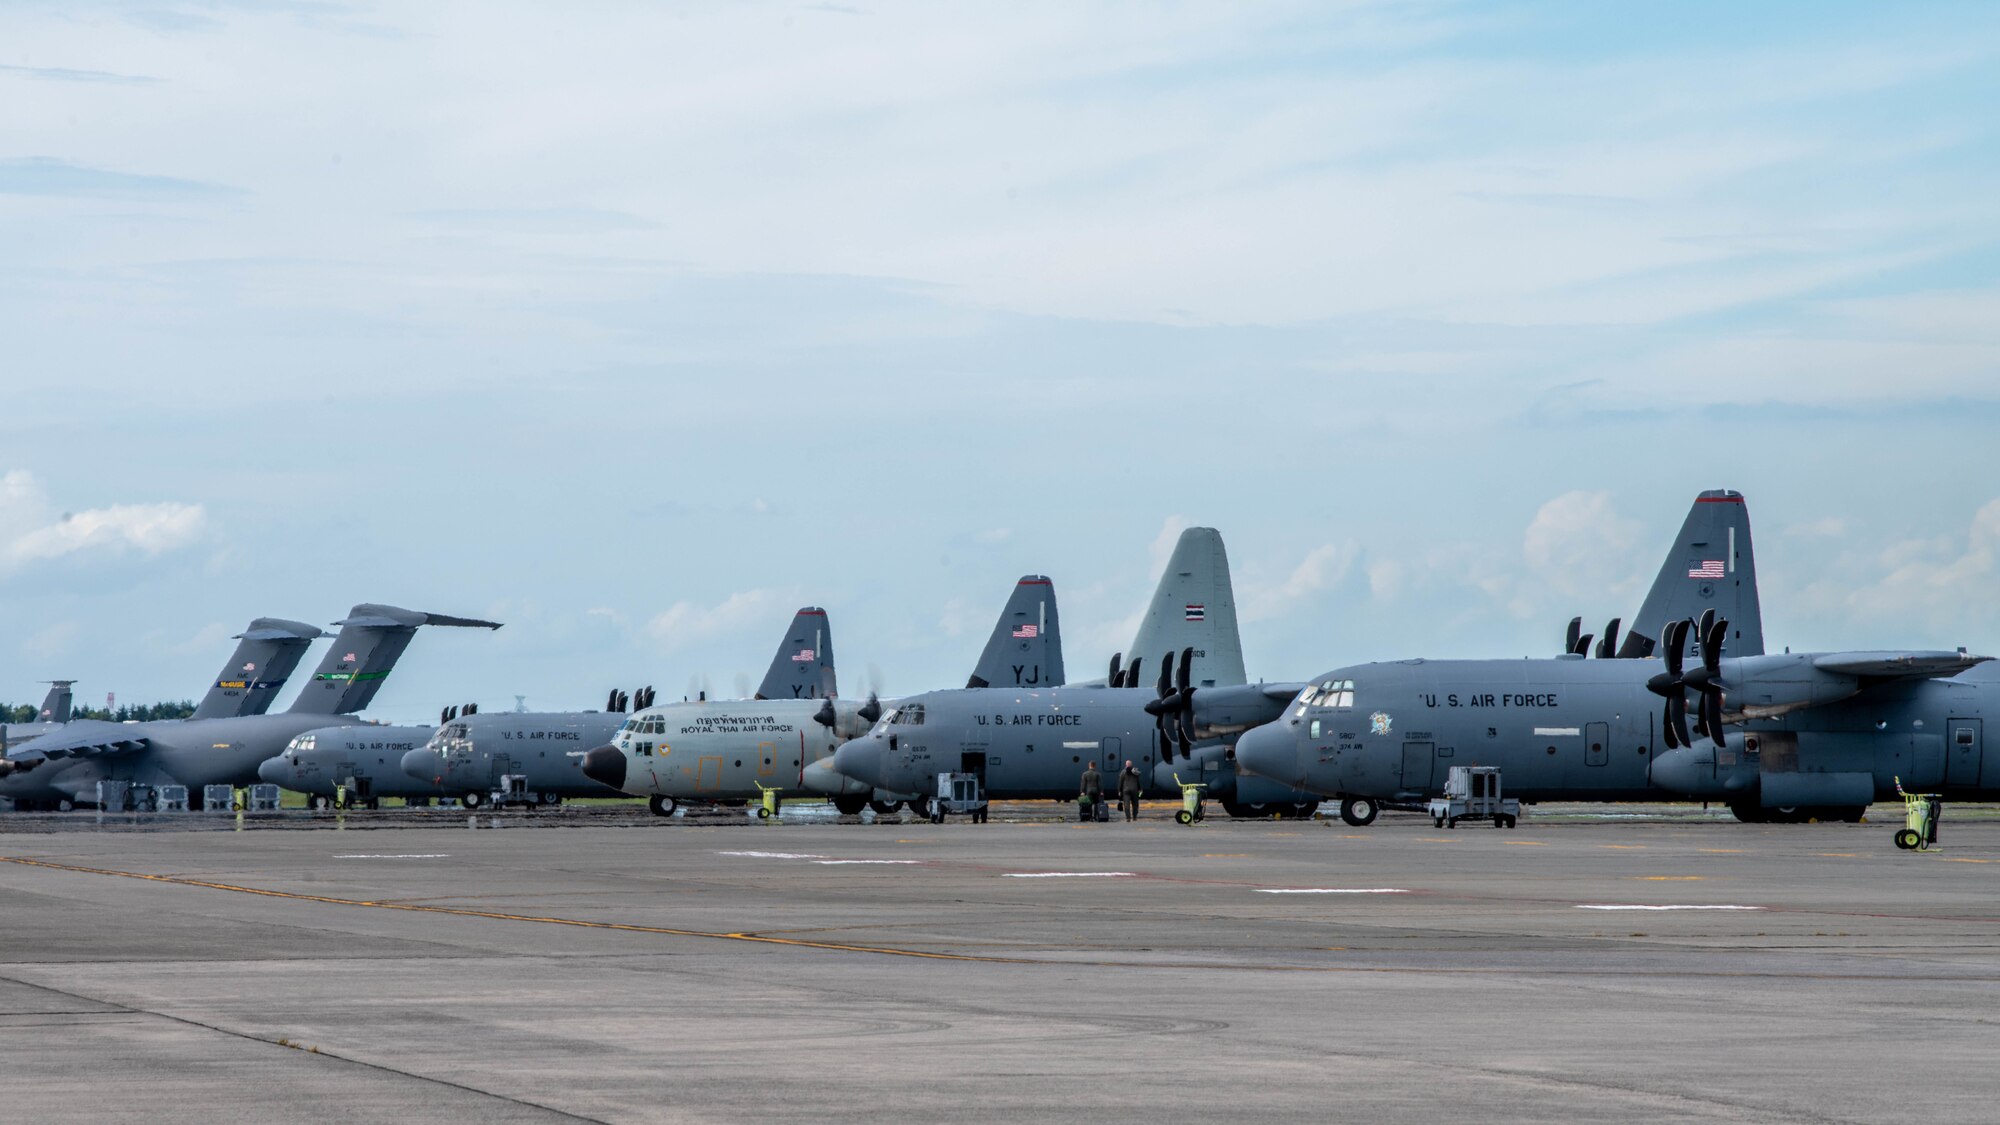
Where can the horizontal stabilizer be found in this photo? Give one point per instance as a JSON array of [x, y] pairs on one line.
[[266, 653], [1898, 665], [370, 640]]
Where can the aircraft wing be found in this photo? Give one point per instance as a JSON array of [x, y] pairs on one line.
[[88, 738], [1898, 665]]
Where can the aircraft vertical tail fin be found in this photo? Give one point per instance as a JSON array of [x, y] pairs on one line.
[[55, 705], [266, 653], [803, 668], [1194, 606], [1710, 566], [371, 637], [1025, 649]]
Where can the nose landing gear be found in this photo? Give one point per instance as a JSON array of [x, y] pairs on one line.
[[1359, 812]]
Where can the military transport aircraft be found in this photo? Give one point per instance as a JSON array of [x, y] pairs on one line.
[[362, 762], [715, 751], [62, 768], [53, 713], [469, 756], [1824, 734], [1033, 743]]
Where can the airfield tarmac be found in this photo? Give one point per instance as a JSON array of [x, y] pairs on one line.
[[612, 966]]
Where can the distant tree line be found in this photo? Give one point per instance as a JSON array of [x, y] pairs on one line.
[[126, 712]]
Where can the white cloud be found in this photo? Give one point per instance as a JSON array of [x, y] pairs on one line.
[[1578, 546], [1939, 590], [685, 623], [33, 533]]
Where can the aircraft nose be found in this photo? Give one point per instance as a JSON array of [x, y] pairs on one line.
[[861, 760], [821, 777], [606, 766], [1270, 751], [272, 770], [422, 764]]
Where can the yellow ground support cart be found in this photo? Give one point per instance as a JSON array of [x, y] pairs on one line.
[[1920, 819]]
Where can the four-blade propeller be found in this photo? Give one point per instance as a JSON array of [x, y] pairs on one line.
[[1706, 680], [1173, 706]]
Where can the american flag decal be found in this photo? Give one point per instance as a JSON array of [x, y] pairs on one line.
[[803, 656], [1708, 568], [1028, 631], [1197, 612], [250, 666], [348, 659]]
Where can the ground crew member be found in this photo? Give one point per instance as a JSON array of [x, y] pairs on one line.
[[1092, 792], [1129, 788]]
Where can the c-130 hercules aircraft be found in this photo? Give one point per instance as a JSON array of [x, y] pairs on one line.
[[1820, 735]]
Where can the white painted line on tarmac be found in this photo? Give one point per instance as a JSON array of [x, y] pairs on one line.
[[1671, 907], [1070, 875], [414, 855], [850, 862], [775, 855], [1332, 891]]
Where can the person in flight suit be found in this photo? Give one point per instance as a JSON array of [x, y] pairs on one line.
[[1091, 793], [1129, 788]]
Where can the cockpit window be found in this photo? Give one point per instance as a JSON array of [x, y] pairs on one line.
[[909, 715], [1332, 693]]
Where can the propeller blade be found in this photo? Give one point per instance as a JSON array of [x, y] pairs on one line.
[[1115, 676], [1187, 666], [1677, 713], [444, 716], [871, 710], [1667, 727], [1166, 683], [1184, 728], [611, 701], [1575, 631], [1711, 643], [1132, 673], [824, 716], [1673, 644], [1608, 647], [1711, 715], [1166, 737], [1583, 645]]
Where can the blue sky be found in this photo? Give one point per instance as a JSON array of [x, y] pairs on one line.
[[638, 326]]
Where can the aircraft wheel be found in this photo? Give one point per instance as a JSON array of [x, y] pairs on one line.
[[885, 808], [1499, 822], [1184, 817], [1907, 839], [1437, 822], [1236, 808], [763, 813], [1451, 822], [473, 799], [850, 806], [1304, 810], [662, 806], [1750, 814], [65, 805], [1849, 814], [1513, 821], [1359, 812]]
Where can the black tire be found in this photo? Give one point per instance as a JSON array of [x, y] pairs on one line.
[[1236, 808], [885, 808], [551, 799], [1499, 822], [1302, 810], [1359, 812], [472, 799], [1451, 822], [763, 813], [1907, 839], [850, 806], [1437, 822], [1750, 814], [662, 805], [1184, 817]]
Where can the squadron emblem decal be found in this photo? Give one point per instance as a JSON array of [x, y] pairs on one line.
[[1378, 723]]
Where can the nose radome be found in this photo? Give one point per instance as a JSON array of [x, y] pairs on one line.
[[861, 760], [821, 777], [422, 764], [1269, 751], [606, 766], [272, 770]]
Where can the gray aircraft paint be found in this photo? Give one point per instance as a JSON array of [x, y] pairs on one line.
[[1033, 744], [1025, 649], [268, 652], [1715, 535], [319, 760], [53, 713], [716, 751], [1194, 606], [370, 640], [67, 763], [803, 667], [1571, 729], [471, 753]]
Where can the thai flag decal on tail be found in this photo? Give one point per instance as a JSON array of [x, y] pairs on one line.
[[1197, 612], [1708, 568], [1028, 631]]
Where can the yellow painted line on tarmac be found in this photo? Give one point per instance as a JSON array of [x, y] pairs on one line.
[[1443, 839], [1948, 859]]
